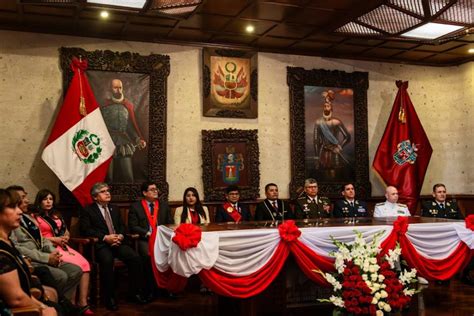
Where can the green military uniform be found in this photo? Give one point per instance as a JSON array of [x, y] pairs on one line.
[[448, 209], [307, 208]]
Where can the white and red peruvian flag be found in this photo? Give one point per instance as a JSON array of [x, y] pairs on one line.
[[79, 149]]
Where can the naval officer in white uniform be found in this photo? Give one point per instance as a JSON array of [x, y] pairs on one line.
[[390, 207]]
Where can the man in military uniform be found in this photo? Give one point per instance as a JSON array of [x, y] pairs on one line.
[[119, 116], [349, 206], [439, 206], [330, 136], [310, 205], [390, 207], [272, 208]]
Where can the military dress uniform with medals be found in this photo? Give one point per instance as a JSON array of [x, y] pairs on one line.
[[307, 207], [448, 209], [345, 208], [387, 209]]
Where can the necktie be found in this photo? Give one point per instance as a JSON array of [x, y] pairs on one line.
[[152, 208], [275, 205], [108, 220], [352, 204], [442, 206]]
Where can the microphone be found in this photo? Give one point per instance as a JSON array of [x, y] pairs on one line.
[[282, 212]]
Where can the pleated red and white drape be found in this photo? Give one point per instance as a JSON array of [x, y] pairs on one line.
[[243, 263]]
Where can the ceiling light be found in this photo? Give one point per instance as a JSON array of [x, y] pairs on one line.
[[104, 14], [250, 28], [432, 30], [136, 4], [470, 50]]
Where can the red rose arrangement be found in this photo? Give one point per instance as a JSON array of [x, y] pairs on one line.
[[367, 283]]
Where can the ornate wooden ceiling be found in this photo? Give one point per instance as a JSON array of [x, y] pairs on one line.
[[304, 27]]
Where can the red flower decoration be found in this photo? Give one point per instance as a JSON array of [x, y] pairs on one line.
[[401, 225], [187, 236], [288, 231], [470, 222]]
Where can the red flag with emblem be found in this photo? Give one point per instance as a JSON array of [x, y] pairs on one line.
[[404, 151]]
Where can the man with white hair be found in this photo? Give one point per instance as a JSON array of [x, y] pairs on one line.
[[390, 208]]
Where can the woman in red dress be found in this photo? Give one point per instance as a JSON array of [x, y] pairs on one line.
[[52, 227]]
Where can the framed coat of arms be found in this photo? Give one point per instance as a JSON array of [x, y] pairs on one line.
[[230, 157], [229, 83]]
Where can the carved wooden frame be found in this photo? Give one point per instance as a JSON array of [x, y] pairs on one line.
[[209, 160], [158, 68], [210, 108], [297, 79]]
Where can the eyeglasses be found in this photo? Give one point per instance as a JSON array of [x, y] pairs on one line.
[[153, 189]]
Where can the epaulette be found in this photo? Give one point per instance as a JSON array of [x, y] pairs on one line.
[[400, 204], [381, 203]]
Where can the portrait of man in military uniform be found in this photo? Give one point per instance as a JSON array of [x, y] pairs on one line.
[[329, 144], [124, 104]]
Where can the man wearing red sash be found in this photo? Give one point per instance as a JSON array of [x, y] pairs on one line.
[[232, 210], [145, 216]]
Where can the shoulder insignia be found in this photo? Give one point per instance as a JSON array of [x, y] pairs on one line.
[[448, 204], [381, 203], [433, 203], [345, 202], [356, 202]]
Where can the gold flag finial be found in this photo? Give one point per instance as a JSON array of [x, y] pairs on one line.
[[82, 100]]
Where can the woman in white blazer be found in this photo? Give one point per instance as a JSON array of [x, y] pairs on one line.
[[192, 210]]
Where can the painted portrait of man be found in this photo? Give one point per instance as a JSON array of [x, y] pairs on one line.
[[329, 143]]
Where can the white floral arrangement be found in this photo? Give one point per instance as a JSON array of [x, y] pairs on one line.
[[366, 282]]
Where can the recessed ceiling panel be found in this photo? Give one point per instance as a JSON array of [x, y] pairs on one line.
[[227, 7], [41, 9], [355, 28], [389, 20], [274, 42], [291, 31], [461, 12], [415, 6], [437, 5], [205, 22], [311, 17], [268, 11]]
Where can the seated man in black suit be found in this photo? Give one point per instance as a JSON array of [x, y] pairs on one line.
[[439, 206], [102, 220], [232, 210], [272, 208], [144, 216], [349, 206]]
